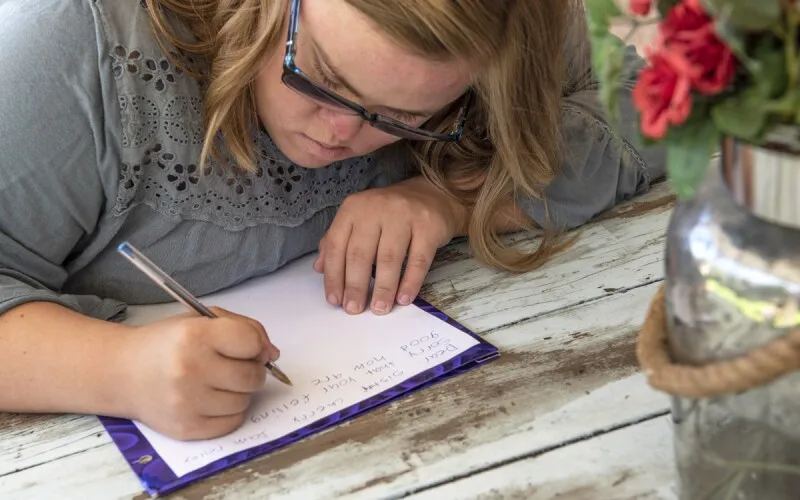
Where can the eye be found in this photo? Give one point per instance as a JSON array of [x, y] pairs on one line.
[[405, 117], [323, 78]]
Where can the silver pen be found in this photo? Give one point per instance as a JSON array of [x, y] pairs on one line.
[[181, 294]]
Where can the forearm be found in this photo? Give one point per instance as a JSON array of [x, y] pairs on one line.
[[53, 359]]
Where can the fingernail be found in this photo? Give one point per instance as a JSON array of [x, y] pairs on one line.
[[404, 299], [275, 354], [380, 307], [352, 307], [332, 299]]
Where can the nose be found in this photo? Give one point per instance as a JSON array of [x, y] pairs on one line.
[[344, 124]]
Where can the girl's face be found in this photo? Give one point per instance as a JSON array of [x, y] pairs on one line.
[[338, 47]]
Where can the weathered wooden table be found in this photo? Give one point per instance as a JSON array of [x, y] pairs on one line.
[[563, 413]]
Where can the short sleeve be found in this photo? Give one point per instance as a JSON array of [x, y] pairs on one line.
[[603, 163], [52, 138]]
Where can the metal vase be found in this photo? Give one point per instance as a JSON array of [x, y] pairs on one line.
[[733, 283]]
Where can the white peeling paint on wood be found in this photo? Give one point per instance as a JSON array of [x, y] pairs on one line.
[[95, 474], [560, 377], [30, 440], [615, 253], [634, 462], [567, 369]]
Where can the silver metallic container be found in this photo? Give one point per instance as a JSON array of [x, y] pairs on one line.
[[732, 284]]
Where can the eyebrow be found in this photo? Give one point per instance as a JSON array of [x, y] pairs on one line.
[[320, 52]]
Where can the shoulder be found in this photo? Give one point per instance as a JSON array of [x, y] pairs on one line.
[[50, 72], [55, 99], [47, 27]]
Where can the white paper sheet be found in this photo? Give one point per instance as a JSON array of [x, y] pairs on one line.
[[334, 359]]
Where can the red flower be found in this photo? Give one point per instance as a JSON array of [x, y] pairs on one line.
[[688, 32], [640, 7], [686, 22], [662, 95]]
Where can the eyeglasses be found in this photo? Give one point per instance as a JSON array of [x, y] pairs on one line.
[[298, 81]]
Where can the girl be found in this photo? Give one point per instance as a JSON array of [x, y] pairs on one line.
[[225, 138]]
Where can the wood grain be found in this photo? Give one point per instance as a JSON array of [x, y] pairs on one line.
[[567, 371], [635, 462]]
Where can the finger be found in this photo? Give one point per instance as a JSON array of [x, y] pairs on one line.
[[217, 403], [235, 375], [205, 427], [234, 338], [335, 253], [272, 352], [361, 250], [392, 249], [418, 263], [319, 262]]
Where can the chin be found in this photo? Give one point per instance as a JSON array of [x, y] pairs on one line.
[[304, 160], [306, 153]]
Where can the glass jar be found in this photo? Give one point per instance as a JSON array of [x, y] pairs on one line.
[[732, 284]]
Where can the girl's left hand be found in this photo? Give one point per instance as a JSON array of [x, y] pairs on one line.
[[408, 220]]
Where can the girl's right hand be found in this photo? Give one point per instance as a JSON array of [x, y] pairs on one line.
[[193, 377]]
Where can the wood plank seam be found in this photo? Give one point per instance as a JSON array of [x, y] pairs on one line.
[[538, 452], [67, 455], [581, 303]]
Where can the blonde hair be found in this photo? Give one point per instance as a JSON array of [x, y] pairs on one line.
[[512, 142]]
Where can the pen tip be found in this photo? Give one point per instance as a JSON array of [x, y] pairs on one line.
[[279, 374]]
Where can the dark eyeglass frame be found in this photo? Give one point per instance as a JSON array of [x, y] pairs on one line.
[[294, 78]]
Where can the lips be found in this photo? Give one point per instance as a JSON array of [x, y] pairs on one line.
[[328, 146], [321, 150]]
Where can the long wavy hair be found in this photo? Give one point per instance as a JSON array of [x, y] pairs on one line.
[[512, 146]]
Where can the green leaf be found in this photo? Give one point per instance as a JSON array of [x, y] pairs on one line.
[[664, 6], [601, 12], [735, 40], [773, 76], [748, 15], [741, 115], [607, 57], [689, 149]]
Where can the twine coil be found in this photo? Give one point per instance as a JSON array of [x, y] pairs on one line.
[[759, 366]]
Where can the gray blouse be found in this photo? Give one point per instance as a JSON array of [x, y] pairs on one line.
[[99, 140]]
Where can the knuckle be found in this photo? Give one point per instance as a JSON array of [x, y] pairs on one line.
[[419, 260], [359, 254], [334, 247], [405, 204], [383, 289], [389, 256]]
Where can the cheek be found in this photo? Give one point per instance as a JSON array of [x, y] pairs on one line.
[[278, 106], [371, 139]]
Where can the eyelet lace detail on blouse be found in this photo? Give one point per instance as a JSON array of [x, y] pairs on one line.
[[162, 136], [278, 192], [161, 111]]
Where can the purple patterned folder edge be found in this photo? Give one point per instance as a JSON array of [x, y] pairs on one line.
[[158, 479]]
